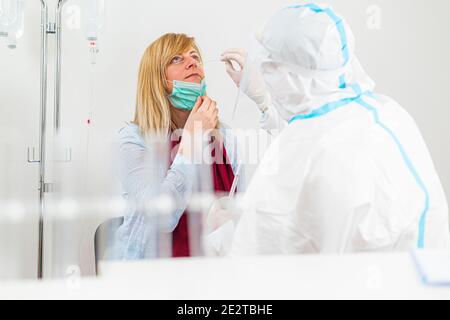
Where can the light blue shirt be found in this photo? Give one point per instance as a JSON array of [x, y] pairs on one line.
[[143, 179]]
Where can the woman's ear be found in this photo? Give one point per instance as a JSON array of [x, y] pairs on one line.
[[168, 85]]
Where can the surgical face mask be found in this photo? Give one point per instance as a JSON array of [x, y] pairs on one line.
[[185, 94]]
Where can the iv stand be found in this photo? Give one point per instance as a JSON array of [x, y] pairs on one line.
[[42, 125], [46, 29], [57, 114]]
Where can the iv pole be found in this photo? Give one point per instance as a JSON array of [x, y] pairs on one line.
[[46, 29], [57, 115], [42, 125]]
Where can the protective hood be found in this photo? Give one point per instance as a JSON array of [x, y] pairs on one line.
[[306, 56]]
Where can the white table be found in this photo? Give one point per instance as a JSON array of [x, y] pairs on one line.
[[364, 276]]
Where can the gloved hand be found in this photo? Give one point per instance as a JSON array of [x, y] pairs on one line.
[[248, 78]]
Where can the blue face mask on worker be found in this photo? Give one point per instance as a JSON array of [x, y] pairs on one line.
[[185, 94]]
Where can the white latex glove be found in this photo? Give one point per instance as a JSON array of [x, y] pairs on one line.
[[222, 218], [247, 77], [219, 214]]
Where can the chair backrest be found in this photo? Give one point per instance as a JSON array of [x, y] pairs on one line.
[[104, 236]]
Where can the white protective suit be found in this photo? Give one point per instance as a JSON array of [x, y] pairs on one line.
[[351, 172]]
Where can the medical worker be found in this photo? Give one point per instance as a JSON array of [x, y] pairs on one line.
[[350, 172]]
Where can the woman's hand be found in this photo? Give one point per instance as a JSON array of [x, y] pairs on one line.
[[202, 120], [204, 116]]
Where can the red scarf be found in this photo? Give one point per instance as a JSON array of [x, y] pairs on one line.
[[223, 178]]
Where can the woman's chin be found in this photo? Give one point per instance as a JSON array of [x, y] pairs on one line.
[[195, 79]]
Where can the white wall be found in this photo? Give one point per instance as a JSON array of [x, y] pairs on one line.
[[407, 57]]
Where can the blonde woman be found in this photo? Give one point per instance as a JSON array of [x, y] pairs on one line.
[[171, 96]]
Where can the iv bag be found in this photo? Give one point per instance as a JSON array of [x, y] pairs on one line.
[[12, 20], [5, 17], [93, 16]]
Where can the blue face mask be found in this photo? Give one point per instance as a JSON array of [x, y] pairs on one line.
[[185, 94]]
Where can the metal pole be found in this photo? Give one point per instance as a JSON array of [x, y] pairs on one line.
[[46, 28], [43, 115], [57, 115]]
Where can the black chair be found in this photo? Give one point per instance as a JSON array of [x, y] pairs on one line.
[[104, 236]]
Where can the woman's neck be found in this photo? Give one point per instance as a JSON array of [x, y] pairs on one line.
[[180, 117]]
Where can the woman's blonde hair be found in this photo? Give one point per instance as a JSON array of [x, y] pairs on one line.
[[153, 112]]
